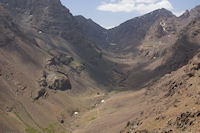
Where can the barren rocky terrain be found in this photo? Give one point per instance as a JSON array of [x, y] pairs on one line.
[[61, 73]]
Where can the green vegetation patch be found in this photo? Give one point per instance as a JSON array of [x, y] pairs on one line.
[[29, 129], [92, 118], [51, 129], [75, 64]]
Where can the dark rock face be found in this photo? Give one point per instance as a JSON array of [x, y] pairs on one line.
[[48, 16], [40, 93], [57, 81], [186, 14], [65, 59], [51, 80], [134, 30], [93, 31]]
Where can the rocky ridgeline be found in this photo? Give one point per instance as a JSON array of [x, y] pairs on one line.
[[186, 119], [181, 123]]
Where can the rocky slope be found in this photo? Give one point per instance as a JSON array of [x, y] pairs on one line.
[[42, 71], [44, 19], [135, 30], [169, 104], [92, 30], [143, 45], [57, 71], [176, 108]]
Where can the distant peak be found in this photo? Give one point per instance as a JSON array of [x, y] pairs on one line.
[[30, 3], [185, 14], [80, 17], [197, 7], [162, 10], [159, 12], [195, 11]]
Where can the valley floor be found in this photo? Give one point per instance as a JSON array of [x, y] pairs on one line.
[[170, 104], [111, 115]]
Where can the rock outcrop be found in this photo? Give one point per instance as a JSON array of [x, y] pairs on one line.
[[57, 81], [39, 93]]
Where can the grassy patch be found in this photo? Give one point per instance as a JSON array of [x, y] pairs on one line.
[[31, 130], [51, 129], [75, 64], [19, 117], [92, 118], [30, 117], [28, 128], [6, 76], [77, 125]]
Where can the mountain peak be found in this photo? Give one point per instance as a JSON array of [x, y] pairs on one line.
[[195, 11], [163, 12], [197, 7], [186, 14]]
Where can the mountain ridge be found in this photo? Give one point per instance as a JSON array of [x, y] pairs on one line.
[[65, 73]]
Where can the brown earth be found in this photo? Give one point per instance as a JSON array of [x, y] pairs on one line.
[[60, 73]]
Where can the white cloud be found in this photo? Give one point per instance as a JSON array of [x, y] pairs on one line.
[[108, 27], [144, 8], [145, 1], [140, 6], [178, 14], [119, 6]]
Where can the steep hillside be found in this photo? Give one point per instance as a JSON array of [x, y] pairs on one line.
[[92, 30], [170, 104], [133, 31], [142, 47], [64, 73], [43, 79], [160, 50], [54, 27]]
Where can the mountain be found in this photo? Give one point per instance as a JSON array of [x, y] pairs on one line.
[[178, 102], [48, 67], [65, 73], [20, 56], [93, 30], [134, 30], [51, 18], [144, 42], [169, 104]]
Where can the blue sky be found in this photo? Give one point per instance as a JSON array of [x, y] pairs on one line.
[[110, 13]]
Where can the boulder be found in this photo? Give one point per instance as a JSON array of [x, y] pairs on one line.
[[65, 59], [58, 81], [60, 119]]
